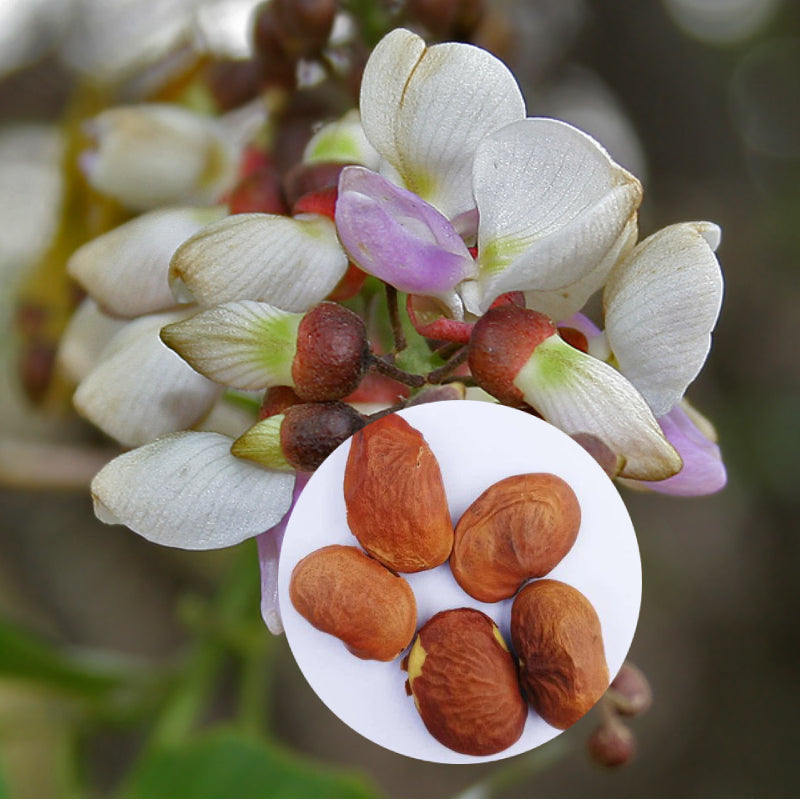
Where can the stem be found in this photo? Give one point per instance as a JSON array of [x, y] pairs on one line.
[[394, 317], [384, 412], [392, 371], [447, 350], [527, 766], [440, 373], [197, 683]]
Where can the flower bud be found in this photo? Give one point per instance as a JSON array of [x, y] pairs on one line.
[[156, 154], [277, 67], [630, 691], [304, 178], [574, 338], [305, 24], [277, 400], [322, 201], [232, 82], [612, 744], [502, 341], [260, 191], [447, 18], [435, 394], [300, 438], [332, 353], [312, 431]]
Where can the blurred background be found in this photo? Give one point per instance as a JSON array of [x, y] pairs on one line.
[[700, 99]]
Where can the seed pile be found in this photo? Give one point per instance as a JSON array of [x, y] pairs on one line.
[[471, 692]]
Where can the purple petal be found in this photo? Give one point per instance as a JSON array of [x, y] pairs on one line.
[[703, 471], [391, 233], [269, 551]]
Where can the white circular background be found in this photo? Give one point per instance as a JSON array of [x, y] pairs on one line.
[[476, 444]]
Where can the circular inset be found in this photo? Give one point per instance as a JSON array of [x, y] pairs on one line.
[[476, 444]]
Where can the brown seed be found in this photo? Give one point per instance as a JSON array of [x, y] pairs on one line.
[[519, 528], [396, 505], [465, 685], [557, 636], [344, 592]]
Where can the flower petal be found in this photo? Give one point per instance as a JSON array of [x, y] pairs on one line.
[[86, 336], [661, 304], [290, 263], [703, 471], [186, 490], [269, 552], [553, 207], [126, 269], [425, 110], [580, 394], [562, 303], [392, 234], [157, 154], [141, 389], [246, 345], [342, 141]]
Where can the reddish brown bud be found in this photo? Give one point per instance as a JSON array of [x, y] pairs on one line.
[[312, 431], [302, 179], [349, 285], [332, 353], [277, 400], [259, 191], [502, 341], [322, 201], [612, 744], [574, 338]]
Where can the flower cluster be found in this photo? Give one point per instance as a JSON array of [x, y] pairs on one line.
[[497, 227]]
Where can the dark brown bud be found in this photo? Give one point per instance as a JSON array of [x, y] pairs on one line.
[[232, 82], [305, 24], [332, 353], [259, 191], [502, 341], [312, 431], [447, 18], [612, 744], [276, 67]]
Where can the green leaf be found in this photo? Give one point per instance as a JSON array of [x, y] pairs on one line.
[[24, 655], [226, 763]]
